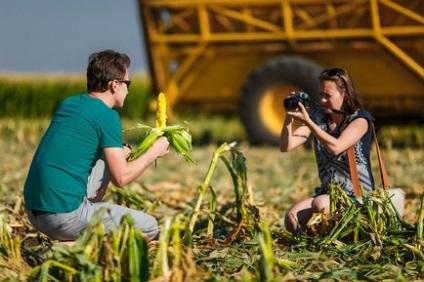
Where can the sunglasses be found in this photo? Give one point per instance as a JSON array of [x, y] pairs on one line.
[[127, 82], [334, 72]]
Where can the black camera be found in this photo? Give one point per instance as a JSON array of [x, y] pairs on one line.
[[292, 103]]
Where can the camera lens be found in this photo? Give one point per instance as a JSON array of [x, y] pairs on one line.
[[291, 103]]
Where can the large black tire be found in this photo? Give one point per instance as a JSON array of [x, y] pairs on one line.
[[261, 104]]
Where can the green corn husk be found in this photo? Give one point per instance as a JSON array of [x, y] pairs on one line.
[[180, 140], [178, 135], [151, 135], [420, 226]]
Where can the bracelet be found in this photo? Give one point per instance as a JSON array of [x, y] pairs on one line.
[[127, 145]]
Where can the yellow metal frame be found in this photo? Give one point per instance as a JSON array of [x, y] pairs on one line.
[[181, 30]]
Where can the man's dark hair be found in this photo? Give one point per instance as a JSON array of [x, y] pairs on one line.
[[103, 67]]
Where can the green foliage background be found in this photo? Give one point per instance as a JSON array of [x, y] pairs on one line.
[[39, 96]]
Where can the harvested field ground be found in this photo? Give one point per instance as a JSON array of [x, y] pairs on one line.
[[276, 180]]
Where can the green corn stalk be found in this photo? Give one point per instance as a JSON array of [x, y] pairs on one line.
[[267, 261], [374, 218], [118, 238], [91, 241], [338, 197], [137, 254], [133, 200], [372, 202], [420, 226], [372, 212], [333, 199], [416, 251], [287, 264], [237, 171], [246, 276], [161, 264], [44, 270], [177, 227], [202, 189], [107, 260], [247, 212], [177, 264], [10, 250], [84, 256], [100, 257], [212, 214], [382, 214], [9, 246], [348, 215]]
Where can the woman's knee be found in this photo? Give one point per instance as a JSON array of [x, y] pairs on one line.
[[290, 221], [321, 204], [299, 214]]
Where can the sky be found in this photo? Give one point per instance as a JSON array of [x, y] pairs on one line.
[[57, 36]]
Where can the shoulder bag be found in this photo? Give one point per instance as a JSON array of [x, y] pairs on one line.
[[397, 195]]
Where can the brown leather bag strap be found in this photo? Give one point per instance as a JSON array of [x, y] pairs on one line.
[[353, 171], [383, 172]]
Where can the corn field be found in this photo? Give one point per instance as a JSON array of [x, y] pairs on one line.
[[221, 218]]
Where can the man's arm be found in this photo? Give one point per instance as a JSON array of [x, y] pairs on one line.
[[123, 172]]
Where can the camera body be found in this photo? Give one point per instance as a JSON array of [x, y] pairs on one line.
[[292, 103]]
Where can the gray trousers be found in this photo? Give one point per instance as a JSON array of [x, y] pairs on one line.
[[68, 226]]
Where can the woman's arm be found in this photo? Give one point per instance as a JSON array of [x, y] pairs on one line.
[[350, 135], [290, 139]]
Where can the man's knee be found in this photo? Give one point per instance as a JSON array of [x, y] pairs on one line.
[[147, 224]]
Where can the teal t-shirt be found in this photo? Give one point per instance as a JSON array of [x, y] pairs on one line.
[[81, 127]]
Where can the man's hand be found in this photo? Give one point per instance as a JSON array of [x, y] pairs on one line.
[[160, 147]]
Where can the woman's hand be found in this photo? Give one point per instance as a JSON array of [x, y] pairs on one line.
[[290, 139], [300, 114]]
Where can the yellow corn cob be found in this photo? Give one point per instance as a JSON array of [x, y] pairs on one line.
[[161, 113]]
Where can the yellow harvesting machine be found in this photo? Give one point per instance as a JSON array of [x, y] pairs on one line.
[[245, 56]]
